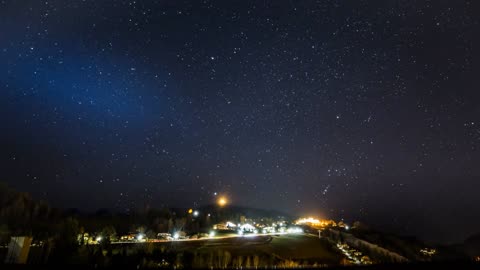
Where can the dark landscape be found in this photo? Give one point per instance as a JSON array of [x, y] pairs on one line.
[[71, 237]]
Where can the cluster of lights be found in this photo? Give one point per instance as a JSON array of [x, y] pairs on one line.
[[230, 224], [315, 222], [428, 251], [247, 227], [194, 213], [354, 255], [309, 220], [294, 230], [268, 230]]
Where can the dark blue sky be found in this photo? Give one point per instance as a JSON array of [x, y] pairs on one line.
[[359, 110]]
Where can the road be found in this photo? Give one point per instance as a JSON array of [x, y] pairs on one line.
[[200, 239]]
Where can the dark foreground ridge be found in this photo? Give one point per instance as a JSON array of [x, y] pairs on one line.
[[213, 237], [409, 266]]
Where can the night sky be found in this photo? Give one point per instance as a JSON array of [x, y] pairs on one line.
[[362, 110]]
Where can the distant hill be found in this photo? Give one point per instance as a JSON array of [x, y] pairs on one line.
[[235, 210], [410, 246], [472, 245]]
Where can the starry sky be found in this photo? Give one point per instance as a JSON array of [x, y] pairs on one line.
[[362, 110]]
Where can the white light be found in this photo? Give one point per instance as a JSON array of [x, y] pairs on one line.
[[98, 239], [347, 227], [294, 230], [211, 234], [255, 231], [195, 213], [176, 236], [247, 227], [230, 224], [140, 237], [240, 232]]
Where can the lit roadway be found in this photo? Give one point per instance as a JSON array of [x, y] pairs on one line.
[[201, 239]]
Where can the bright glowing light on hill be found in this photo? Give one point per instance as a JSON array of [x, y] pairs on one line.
[[222, 201], [309, 220], [315, 222]]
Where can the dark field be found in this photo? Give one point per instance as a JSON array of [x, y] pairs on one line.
[[248, 251], [301, 247]]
